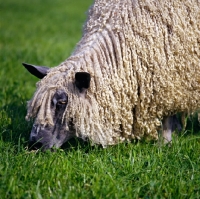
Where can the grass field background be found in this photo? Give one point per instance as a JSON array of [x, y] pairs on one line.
[[45, 32]]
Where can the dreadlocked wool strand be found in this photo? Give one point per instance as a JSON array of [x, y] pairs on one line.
[[144, 60]]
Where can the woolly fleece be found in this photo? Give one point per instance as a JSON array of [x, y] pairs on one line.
[[144, 61]]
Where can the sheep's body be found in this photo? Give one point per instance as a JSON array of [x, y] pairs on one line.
[[144, 60]]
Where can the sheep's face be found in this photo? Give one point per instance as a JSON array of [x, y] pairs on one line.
[[55, 133], [48, 136]]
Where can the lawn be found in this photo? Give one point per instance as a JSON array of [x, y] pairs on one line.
[[45, 33]]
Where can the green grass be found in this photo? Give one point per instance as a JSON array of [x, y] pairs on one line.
[[45, 33]]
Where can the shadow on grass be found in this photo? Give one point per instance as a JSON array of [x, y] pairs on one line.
[[78, 144], [193, 125]]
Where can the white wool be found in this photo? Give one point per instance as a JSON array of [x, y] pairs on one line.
[[144, 60]]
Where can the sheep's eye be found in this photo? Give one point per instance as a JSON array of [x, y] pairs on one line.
[[62, 102]]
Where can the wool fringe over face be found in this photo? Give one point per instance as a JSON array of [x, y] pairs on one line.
[[144, 60]]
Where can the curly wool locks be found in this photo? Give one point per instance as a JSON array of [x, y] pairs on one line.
[[144, 60]]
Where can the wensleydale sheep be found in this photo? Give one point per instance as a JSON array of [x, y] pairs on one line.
[[137, 63]]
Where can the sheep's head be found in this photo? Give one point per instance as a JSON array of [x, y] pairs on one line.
[[51, 128]]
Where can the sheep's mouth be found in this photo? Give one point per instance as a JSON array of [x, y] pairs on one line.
[[34, 146]]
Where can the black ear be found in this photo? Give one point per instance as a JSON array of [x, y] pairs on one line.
[[38, 71], [82, 80]]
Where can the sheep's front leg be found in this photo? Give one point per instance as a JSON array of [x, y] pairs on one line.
[[167, 124]]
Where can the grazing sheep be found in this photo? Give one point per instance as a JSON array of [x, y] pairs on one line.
[[138, 63]]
